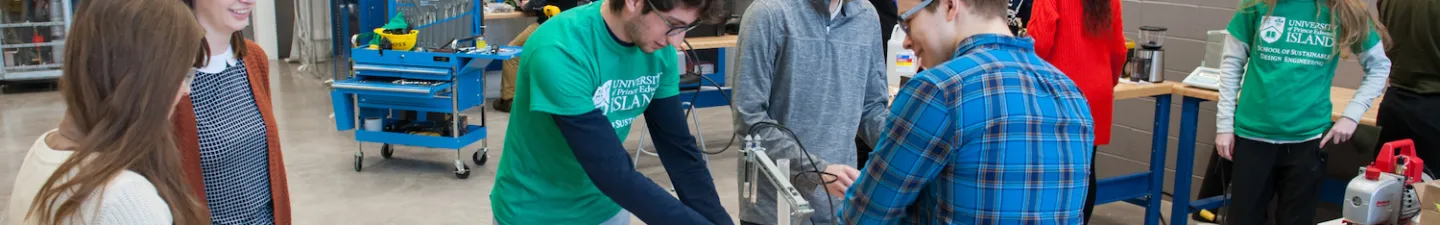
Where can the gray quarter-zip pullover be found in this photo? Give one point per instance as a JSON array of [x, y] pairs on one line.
[[819, 73]]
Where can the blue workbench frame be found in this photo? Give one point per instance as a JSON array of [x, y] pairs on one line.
[[1144, 188], [711, 97], [1331, 190], [1185, 165]]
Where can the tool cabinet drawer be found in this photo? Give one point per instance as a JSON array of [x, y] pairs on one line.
[[440, 103], [364, 56], [385, 88]]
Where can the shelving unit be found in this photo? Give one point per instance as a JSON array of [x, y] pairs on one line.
[[40, 57]]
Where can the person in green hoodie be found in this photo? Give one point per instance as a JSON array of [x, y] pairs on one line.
[[1288, 51]]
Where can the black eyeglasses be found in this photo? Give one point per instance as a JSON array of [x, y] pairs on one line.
[[905, 17], [674, 29]]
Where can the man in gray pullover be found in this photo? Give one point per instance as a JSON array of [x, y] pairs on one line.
[[817, 68]]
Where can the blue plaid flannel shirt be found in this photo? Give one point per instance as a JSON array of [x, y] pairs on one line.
[[994, 136]]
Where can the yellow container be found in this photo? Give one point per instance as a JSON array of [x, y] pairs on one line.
[[401, 42]]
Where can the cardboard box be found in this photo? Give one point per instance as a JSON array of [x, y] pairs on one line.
[[1429, 217], [1429, 197]]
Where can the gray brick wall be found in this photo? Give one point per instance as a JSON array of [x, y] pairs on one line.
[[1188, 20]]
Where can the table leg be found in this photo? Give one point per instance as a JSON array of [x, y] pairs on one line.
[[1158, 149], [1185, 161]]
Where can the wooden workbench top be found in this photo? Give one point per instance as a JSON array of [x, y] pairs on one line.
[[1122, 91], [1339, 98], [505, 15], [726, 41], [1140, 90]]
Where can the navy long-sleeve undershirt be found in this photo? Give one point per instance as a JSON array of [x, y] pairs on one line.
[[608, 165]]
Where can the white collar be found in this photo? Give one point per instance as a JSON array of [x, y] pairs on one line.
[[217, 63], [836, 12]]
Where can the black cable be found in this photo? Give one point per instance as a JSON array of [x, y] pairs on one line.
[[728, 102], [692, 59], [1225, 195], [815, 168]]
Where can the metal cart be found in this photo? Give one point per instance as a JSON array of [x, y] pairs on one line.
[[39, 57], [385, 86]]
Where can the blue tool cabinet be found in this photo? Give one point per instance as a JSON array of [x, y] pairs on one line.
[[411, 88], [458, 85]]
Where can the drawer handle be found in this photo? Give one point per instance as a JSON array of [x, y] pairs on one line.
[[401, 70], [375, 88]]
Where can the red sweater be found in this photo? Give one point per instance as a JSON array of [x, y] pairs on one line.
[[1093, 61]]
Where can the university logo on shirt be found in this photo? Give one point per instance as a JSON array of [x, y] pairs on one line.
[[1272, 28], [623, 95]]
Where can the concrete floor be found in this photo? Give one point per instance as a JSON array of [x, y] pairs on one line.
[[415, 187]]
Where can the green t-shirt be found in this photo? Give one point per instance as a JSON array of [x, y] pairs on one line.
[[571, 65], [1286, 91]]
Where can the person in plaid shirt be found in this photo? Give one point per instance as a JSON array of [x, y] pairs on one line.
[[989, 134]]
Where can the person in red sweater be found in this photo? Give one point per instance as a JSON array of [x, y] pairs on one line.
[[1086, 40]]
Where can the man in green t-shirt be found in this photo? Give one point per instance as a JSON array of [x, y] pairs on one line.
[[585, 76]]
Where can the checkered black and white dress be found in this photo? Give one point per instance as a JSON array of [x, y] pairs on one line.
[[234, 156]]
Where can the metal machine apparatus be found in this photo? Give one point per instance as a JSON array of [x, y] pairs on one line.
[[33, 46], [415, 97], [757, 165], [1382, 194]]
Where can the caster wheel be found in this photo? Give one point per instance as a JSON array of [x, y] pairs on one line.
[[386, 151], [480, 157], [359, 159], [463, 175]]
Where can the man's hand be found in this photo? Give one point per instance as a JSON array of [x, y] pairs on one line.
[[1340, 132], [842, 176], [1225, 143]]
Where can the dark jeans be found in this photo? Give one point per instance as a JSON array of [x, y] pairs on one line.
[[1408, 115], [1293, 171], [1090, 194]]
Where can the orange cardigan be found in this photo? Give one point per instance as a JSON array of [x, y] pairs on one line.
[[257, 64]]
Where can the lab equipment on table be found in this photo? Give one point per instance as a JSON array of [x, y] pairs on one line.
[[757, 166], [1207, 75], [411, 89], [899, 61], [1148, 65], [1383, 193]]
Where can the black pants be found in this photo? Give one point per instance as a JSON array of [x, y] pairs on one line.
[[1408, 115], [1293, 171], [1090, 194], [863, 150]]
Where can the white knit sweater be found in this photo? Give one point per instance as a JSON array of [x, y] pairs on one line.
[[128, 199]]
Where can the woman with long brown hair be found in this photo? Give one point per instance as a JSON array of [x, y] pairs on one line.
[[226, 127], [109, 162], [1085, 39], [1287, 52]]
